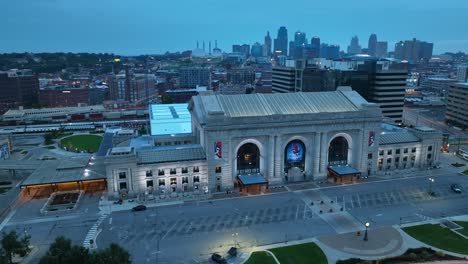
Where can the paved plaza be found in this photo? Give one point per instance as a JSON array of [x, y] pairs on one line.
[[329, 215]]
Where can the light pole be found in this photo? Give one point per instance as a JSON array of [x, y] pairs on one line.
[[365, 234], [234, 235], [431, 180]]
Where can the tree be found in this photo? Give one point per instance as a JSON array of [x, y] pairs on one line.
[[166, 99], [14, 245], [114, 254], [63, 252], [48, 138]]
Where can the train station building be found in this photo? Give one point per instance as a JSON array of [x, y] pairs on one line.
[[250, 142]]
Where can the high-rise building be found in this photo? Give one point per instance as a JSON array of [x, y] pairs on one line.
[[382, 49], [378, 84], [292, 49], [300, 40], [413, 50], [354, 47], [301, 77], [315, 42], [267, 45], [257, 50], [281, 42], [462, 73], [18, 88], [244, 49], [329, 51], [191, 77], [283, 79], [457, 108], [372, 45]]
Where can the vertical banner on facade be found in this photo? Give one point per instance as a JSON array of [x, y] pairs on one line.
[[218, 150], [371, 138]]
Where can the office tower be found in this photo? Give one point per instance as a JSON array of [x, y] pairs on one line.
[[292, 49], [462, 73], [329, 51], [283, 79], [281, 42], [382, 49], [354, 47], [457, 108], [18, 88], [300, 40], [378, 84], [191, 77], [244, 48], [413, 50], [372, 45], [301, 77], [257, 50], [267, 46], [315, 42]]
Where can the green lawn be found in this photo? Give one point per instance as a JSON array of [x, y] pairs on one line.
[[456, 164], [81, 142], [49, 147], [260, 257], [463, 224], [300, 254], [465, 172], [24, 152], [439, 237]]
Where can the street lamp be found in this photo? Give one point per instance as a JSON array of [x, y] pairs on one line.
[[365, 234], [431, 180], [234, 235]]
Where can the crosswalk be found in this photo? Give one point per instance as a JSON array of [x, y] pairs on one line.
[[93, 232]]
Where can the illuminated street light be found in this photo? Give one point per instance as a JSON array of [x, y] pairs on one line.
[[431, 180], [234, 235], [365, 234]]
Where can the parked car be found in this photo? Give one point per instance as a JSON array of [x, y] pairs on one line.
[[218, 258], [456, 188], [139, 208]]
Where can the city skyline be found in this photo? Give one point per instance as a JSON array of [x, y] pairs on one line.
[[128, 29]]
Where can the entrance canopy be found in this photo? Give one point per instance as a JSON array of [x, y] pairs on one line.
[[343, 174], [252, 179], [344, 170]]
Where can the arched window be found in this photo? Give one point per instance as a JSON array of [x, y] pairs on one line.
[[248, 159], [338, 151]]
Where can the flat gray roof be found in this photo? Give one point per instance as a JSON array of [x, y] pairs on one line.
[[252, 179], [395, 138], [170, 154], [256, 105], [60, 171], [344, 170]]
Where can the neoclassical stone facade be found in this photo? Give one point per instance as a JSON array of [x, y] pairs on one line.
[[271, 122], [277, 138]]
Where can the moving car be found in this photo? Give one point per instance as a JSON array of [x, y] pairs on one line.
[[456, 188], [139, 208], [217, 258]]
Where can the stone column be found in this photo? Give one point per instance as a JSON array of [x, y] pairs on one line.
[[271, 157], [316, 155], [323, 153]]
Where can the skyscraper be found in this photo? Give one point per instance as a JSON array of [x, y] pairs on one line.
[[382, 49], [300, 40], [267, 46], [292, 49], [315, 42], [354, 47], [257, 50], [329, 51], [281, 42], [372, 45]]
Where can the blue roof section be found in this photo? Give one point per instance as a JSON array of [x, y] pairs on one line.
[[169, 119], [344, 170], [252, 179], [106, 144]]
